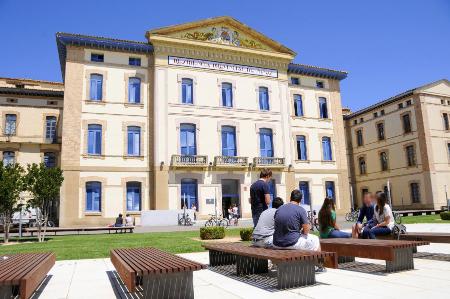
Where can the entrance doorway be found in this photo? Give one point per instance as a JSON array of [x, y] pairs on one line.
[[272, 191], [230, 196]]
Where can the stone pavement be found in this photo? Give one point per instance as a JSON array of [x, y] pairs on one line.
[[96, 278]]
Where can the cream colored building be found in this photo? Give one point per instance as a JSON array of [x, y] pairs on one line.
[[404, 140], [192, 115]]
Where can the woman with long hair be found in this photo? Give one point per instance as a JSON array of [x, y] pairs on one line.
[[384, 220], [327, 221]]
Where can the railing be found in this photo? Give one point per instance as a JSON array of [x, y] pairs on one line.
[[189, 161], [230, 161], [268, 162]]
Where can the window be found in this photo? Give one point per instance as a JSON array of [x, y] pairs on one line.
[[380, 131], [411, 155], [323, 107], [264, 99], [375, 114], [446, 123], [93, 196], [361, 120], [302, 153], [97, 57], [96, 89], [189, 193], [406, 123], [134, 196], [329, 189], [362, 166], [94, 139], [134, 141], [187, 91], [320, 84], [448, 147], [188, 140], [326, 149], [384, 161], [415, 192], [134, 61], [298, 105], [8, 158], [382, 112], [400, 105], [50, 128], [295, 81], [134, 90], [355, 121], [304, 188], [408, 103], [229, 141], [442, 102], [50, 159], [359, 138], [10, 124], [272, 190], [227, 95], [266, 142]]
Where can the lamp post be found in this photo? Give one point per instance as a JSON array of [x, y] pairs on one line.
[[20, 219]]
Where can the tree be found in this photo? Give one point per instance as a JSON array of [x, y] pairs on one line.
[[11, 185], [44, 184]]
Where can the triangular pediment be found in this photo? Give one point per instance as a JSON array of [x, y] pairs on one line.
[[222, 30], [438, 87]]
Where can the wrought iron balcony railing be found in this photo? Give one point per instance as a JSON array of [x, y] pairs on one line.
[[189, 161], [230, 161], [269, 162]]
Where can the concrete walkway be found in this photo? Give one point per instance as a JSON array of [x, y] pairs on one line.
[[96, 278]]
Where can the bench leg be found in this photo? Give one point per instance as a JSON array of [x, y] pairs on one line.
[[346, 259], [296, 274], [403, 260], [249, 265], [9, 291], [415, 249], [170, 285], [218, 258]]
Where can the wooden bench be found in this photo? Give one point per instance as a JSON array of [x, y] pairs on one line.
[[430, 237], [21, 274], [397, 254], [160, 274], [122, 229], [294, 267]]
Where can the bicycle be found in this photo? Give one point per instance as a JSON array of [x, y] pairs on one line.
[[397, 217], [313, 220], [216, 221], [352, 216], [185, 220]]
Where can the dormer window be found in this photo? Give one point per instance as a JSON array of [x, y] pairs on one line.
[[295, 81], [320, 84], [97, 57]]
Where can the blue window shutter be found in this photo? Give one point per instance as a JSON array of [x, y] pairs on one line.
[[326, 147], [301, 148], [96, 87], [229, 141], [134, 90], [298, 105], [323, 107], [186, 91], [266, 142], [304, 188], [188, 139], [227, 94], [134, 141], [95, 139], [264, 99], [93, 196]]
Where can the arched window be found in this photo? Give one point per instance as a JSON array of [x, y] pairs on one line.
[[362, 165], [134, 90], [384, 161], [327, 153], [9, 158], [323, 107], [94, 139]]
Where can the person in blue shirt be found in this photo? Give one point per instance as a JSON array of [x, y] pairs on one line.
[[366, 211], [260, 195]]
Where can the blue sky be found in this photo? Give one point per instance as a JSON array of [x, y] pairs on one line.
[[386, 46]]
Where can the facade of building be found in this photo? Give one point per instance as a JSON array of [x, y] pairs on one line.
[[190, 117], [404, 140]]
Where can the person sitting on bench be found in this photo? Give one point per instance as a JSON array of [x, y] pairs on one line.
[[263, 232], [384, 220], [292, 226], [366, 211], [327, 221]]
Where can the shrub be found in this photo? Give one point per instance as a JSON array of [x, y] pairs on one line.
[[210, 233], [246, 234], [445, 215]]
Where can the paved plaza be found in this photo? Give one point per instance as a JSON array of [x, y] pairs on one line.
[[96, 278]]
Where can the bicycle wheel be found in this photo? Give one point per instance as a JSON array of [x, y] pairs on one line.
[[209, 223], [347, 217], [398, 218], [224, 223], [188, 221]]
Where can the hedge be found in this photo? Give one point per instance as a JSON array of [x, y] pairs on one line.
[[445, 215], [210, 233], [246, 234]]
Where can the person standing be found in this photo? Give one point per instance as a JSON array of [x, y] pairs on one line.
[[260, 195]]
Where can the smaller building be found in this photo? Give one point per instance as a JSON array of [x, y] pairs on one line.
[[404, 140]]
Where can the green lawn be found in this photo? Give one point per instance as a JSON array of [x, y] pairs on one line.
[[98, 246], [423, 219]]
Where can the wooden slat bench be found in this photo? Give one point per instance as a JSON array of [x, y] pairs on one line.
[[122, 229], [161, 274], [21, 274], [294, 267], [430, 237], [397, 254]]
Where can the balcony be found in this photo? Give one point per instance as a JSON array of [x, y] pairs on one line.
[[268, 162], [189, 161], [230, 161]]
